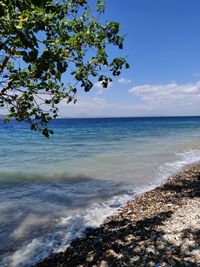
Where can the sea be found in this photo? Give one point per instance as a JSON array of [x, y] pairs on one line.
[[51, 190]]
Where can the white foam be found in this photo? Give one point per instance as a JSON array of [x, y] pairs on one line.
[[23, 256], [69, 228], [184, 158]]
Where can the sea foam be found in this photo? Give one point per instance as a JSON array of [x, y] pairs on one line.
[[71, 227]]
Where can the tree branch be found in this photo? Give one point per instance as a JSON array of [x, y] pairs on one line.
[[6, 87], [7, 57]]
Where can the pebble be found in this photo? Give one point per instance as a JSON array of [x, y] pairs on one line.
[[103, 264], [160, 227]]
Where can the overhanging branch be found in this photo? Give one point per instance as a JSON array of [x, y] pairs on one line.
[[7, 57], [6, 87]]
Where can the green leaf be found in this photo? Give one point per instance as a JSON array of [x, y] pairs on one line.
[[55, 49]]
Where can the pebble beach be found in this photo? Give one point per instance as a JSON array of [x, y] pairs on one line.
[[158, 228], [87, 201]]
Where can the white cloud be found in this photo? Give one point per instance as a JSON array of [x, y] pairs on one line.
[[101, 88], [167, 91], [99, 85], [88, 106], [124, 81], [171, 98]]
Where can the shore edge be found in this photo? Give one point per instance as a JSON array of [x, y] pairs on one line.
[[160, 227]]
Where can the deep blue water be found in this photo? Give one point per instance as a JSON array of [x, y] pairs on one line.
[[50, 189]]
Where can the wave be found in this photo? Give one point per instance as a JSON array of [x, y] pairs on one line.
[[21, 177], [71, 227], [185, 158], [67, 229]]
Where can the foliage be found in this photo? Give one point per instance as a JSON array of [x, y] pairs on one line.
[[49, 50]]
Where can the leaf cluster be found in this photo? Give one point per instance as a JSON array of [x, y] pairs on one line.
[[48, 51]]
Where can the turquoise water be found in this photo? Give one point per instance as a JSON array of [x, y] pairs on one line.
[[50, 190]]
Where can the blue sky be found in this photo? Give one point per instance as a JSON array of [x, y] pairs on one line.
[[163, 48]]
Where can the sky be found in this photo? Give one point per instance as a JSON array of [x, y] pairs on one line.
[[162, 47]]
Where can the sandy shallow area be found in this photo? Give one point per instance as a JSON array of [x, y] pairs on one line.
[[158, 228]]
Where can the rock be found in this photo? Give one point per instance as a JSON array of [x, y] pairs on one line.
[[159, 227], [103, 264]]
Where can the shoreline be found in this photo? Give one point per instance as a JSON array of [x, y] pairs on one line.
[[160, 226]]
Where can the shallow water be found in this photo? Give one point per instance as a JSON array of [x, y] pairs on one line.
[[50, 190]]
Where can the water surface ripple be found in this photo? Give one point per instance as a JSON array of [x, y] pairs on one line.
[[51, 189]]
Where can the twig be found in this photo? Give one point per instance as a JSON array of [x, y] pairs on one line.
[[7, 57]]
